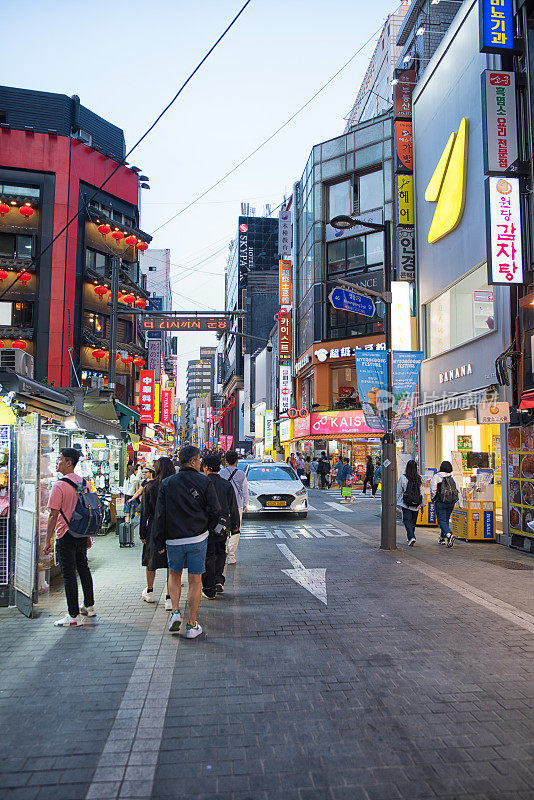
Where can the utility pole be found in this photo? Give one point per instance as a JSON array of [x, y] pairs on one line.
[[114, 317]]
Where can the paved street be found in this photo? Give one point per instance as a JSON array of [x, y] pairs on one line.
[[329, 670]]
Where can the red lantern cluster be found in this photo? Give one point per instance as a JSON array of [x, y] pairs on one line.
[[127, 359], [141, 303], [4, 208], [19, 344], [3, 275], [98, 354], [100, 291], [26, 211], [117, 235], [129, 299], [24, 277], [142, 246], [103, 230], [139, 362], [2, 344], [131, 240]]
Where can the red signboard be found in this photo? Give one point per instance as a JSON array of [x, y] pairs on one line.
[[285, 341], [403, 94], [301, 427], [332, 423], [146, 395], [404, 145], [166, 406]]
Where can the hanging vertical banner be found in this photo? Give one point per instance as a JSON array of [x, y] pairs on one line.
[[284, 282], [269, 430], [499, 112], [403, 93], [496, 26], [154, 357], [405, 199], [285, 342], [284, 233], [166, 407], [146, 396], [157, 398], [371, 375], [403, 145], [503, 231], [405, 254], [285, 388]]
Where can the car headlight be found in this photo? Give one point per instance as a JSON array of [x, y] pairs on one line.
[[300, 492], [251, 493]]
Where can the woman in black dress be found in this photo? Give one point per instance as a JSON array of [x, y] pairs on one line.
[[151, 559]]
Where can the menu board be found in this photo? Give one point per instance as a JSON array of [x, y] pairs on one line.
[[521, 479]]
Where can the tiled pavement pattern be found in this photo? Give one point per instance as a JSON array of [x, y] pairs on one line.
[[399, 688]]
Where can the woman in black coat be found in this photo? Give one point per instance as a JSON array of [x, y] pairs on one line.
[[369, 473], [151, 559]]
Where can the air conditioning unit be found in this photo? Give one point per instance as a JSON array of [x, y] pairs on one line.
[[17, 360]]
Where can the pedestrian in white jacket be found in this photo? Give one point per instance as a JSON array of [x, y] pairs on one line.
[[410, 499]]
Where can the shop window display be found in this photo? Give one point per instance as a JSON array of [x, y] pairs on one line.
[[521, 480]]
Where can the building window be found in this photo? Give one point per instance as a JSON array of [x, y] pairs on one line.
[[20, 315], [7, 245], [344, 387], [24, 247], [369, 192], [152, 269], [84, 136], [355, 255], [460, 314], [96, 261], [339, 199]]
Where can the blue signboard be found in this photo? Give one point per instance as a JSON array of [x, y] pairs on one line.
[[154, 304], [345, 300], [496, 21], [371, 377]]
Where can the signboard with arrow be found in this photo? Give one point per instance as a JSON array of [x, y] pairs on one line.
[[346, 300]]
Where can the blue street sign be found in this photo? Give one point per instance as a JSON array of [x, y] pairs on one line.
[[345, 300], [496, 24]]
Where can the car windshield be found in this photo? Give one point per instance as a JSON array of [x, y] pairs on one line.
[[242, 465], [271, 473]]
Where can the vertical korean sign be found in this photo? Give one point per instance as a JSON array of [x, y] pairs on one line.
[[285, 388], [285, 282], [503, 228], [285, 342], [404, 146], [403, 94], [284, 233], [405, 199], [496, 25], [499, 104], [166, 407], [146, 395]]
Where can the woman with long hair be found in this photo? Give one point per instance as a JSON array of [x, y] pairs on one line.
[[151, 559], [410, 499], [444, 494]]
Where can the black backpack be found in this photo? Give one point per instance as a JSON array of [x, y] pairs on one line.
[[448, 493], [412, 496], [88, 512]]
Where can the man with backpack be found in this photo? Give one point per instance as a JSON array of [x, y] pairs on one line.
[[71, 548], [444, 494], [239, 483], [213, 577], [323, 469]]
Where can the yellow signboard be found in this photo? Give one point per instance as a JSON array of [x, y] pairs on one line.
[[405, 199], [447, 185]]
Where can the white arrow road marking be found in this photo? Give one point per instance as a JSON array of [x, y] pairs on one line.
[[313, 580]]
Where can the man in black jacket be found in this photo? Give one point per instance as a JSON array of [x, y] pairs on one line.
[[323, 470], [186, 510], [213, 578]]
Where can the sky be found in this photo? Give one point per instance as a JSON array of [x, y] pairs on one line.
[[127, 60]]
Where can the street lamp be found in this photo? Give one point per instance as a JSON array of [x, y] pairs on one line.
[[388, 528]]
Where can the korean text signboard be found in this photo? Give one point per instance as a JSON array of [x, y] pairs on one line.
[[285, 388], [405, 199], [403, 94], [503, 227], [405, 254], [192, 323], [499, 103], [285, 282], [347, 300], [285, 342], [371, 375], [496, 19], [404, 146], [166, 406], [146, 396], [284, 233]]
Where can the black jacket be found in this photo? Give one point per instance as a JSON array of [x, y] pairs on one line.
[[324, 466], [228, 502], [148, 509], [187, 506], [369, 470]]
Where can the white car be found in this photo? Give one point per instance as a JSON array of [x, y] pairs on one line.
[[275, 487]]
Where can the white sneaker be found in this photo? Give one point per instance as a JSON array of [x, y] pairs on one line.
[[168, 604], [411, 541], [450, 539], [231, 560], [147, 596], [175, 621], [88, 611], [192, 631], [69, 622]]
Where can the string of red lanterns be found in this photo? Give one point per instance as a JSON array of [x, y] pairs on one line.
[[26, 210], [99, 354], [104, 229], [18, 344]]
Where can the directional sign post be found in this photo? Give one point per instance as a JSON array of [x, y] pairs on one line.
[[345, 300]]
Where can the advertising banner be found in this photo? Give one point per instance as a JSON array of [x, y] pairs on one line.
[[503, 230], [285, 341], [404, 146], [499, 104], [496, 22], [405, 199], [154, 357], [493, 413], [339, 422], [371, 375], [405, 254], [301, 427], [269, 430], [285, 388], [284, 428], [284, 233], [403, 94], [285, 282], [166, 407], [146, 395]]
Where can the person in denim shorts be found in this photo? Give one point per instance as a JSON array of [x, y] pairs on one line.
[[186, 509]]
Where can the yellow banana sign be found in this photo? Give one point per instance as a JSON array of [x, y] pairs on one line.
[[447, 185]]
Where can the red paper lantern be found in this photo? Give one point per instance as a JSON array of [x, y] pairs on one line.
[[4, 208], [117, 357], [131, 240], [129, 299], [139, 362], [127, 360], [26, 211], [98, 354], [140, 303], [3, 275], [118, 235], [142, 246], [24, 277], [103, 230], [3, 345], [19, 344], [100, 291]]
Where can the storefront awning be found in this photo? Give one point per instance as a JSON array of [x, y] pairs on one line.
[[457, 401], [126, 414], [97, 425], [527, 401]]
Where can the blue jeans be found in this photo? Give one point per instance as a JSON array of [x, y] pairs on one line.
[[409, 518], [443, 515]]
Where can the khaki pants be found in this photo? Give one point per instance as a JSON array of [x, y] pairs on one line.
[[233, 541]]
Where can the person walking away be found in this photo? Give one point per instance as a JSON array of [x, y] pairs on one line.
[[324, 469], [186, 510], [228, 522], [238, 479], [444, 494], [71, 551], [151, 559], [377, 475], [131, 485], [410, 499], [369, 472], [340, 472], [314, 478]]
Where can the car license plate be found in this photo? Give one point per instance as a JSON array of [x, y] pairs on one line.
[[275, 503]]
